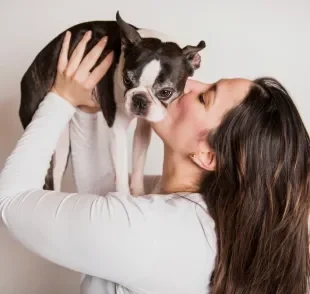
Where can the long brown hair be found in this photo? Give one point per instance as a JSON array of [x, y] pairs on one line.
[[259, 195]]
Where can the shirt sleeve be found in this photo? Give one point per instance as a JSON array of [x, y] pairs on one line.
[[117, 237], [91, 160], [80, 231], [92, 171]]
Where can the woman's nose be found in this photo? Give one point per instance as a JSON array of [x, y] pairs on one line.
[[195, 86]]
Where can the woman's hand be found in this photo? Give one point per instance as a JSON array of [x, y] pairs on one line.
[[74, 81]]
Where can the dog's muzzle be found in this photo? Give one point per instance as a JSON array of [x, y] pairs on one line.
[[140, 102]]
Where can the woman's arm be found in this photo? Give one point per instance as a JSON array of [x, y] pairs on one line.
[[92, 170], [91, 160], [26, 167], [83, 232], [92, 166], [116, 237]]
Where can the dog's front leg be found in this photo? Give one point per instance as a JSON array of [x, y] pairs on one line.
[[119, 152], [141, 142]]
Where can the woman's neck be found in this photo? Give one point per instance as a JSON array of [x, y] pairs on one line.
[[180, 174]]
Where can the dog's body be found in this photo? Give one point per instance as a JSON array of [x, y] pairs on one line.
[[145, 75]]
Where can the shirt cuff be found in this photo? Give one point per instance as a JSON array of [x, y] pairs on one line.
[[60, 103]]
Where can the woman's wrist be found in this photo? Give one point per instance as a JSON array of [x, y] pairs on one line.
[[83, 108], [71, 101], [59, 103]]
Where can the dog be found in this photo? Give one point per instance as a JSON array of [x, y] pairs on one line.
[[147, 73]]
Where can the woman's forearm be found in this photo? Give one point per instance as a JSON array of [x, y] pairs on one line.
[[88, 134], [91, 159], [27, 165], [78, 231]]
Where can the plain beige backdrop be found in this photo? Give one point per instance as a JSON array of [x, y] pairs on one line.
[[245, 38]]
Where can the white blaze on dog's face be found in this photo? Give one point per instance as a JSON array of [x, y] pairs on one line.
[[154, 71], [147, 97]]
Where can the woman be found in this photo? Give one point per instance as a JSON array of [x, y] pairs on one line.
[[232, 212]]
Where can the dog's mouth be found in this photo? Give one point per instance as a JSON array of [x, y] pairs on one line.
[[144, 106], [139, 112], [140, 105], [148, 111]]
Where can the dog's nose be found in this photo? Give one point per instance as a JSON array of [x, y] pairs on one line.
[[140, 101]]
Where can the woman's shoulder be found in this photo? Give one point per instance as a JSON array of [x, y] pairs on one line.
[[152, 185], [168, 213], [184, 206], [187, 210]]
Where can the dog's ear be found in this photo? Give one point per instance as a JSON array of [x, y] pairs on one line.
[[129, 34], [191, 54]]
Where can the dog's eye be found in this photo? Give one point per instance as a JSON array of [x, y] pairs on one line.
[[164, 94], [200, 98], [126, 80]]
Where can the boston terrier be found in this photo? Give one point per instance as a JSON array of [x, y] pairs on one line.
[[147, 73]]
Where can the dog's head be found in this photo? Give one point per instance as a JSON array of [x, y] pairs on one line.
[[154, 71]]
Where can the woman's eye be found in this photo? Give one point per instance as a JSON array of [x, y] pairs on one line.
[[164, 94], [200, 98]]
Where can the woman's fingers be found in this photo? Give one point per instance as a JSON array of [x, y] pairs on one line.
[[90, 60], [98, 73], [77, 55], [63, 56], [74, 82]]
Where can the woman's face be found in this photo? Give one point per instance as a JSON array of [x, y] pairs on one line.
[[190, 117]]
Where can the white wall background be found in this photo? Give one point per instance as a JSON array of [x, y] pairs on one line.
[[244, 38]]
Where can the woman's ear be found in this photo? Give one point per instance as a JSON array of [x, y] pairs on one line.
[[205, 156], [205, 160]]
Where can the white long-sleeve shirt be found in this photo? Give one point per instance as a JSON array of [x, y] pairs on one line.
[[90, 151], [152, 244]]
